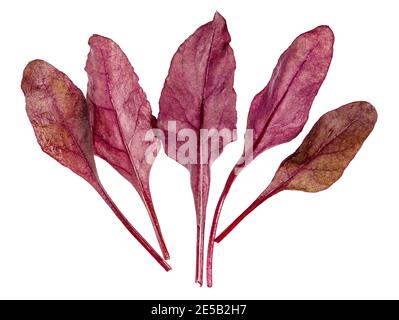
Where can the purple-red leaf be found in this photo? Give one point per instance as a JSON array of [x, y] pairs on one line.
[[323, 155], [198, 94], [122, 129], [58, 113], [279, 112]]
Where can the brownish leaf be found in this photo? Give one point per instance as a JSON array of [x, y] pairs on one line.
[[323, 155]]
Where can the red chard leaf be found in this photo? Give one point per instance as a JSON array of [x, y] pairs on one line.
[[58, 113], [198, 95], [323, 155], [122, 119], [279, 112]]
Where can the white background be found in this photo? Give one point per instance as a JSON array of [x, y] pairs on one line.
[[58, 239]]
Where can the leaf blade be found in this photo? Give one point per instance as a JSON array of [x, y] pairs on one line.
[[279, 112], [199, 87], [58, 113], [329, 147]]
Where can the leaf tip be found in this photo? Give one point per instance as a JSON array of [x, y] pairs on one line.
[[326, 33], [31, 73], [217, 15], [97, 39], [34, 65], [369, 110], [218, 18]]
